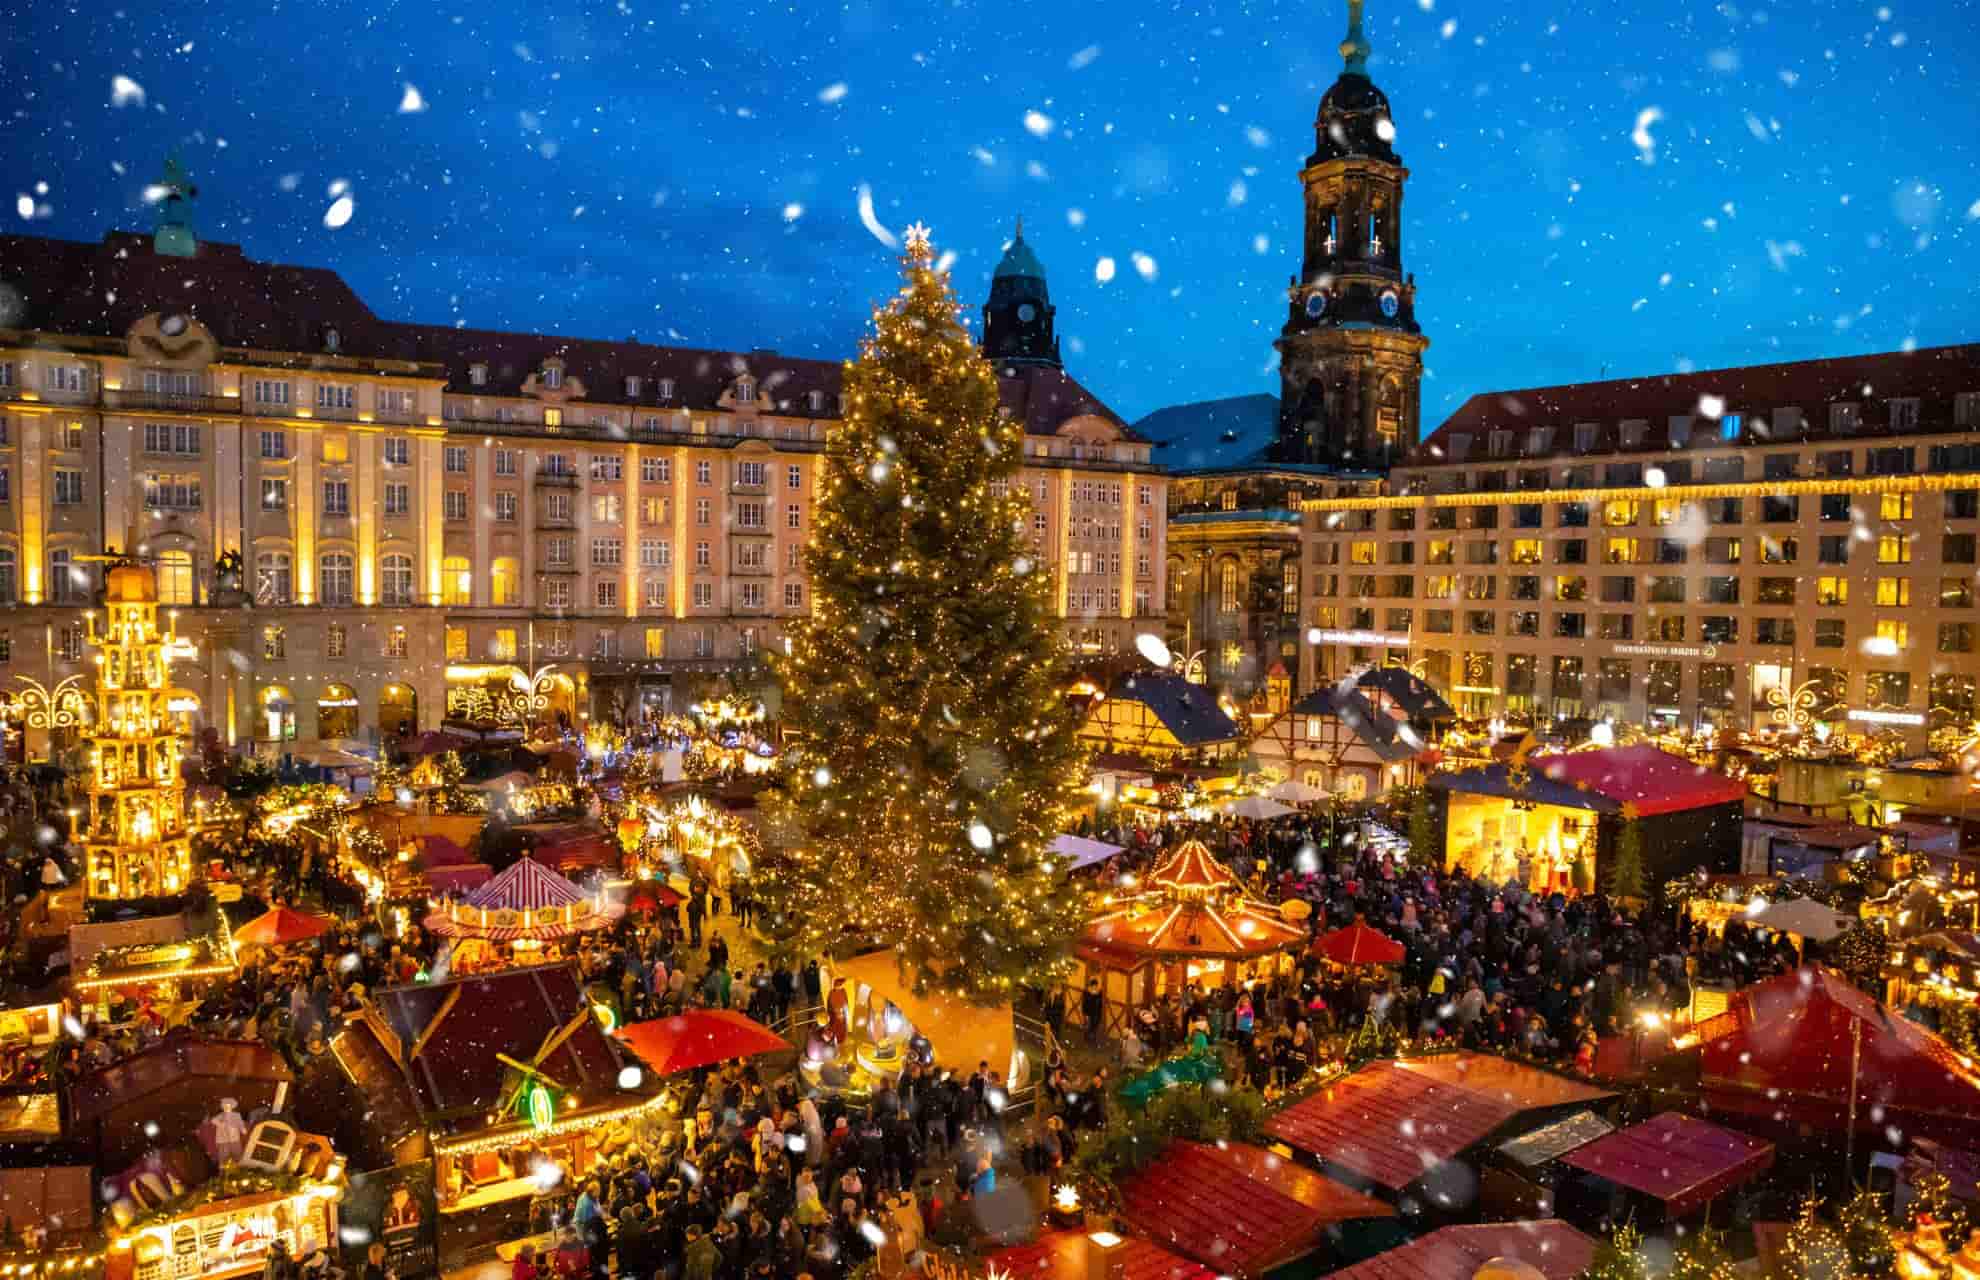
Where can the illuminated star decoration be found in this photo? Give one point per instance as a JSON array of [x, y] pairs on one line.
[[917, 241]]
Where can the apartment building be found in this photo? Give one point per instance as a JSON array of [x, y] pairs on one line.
[[364, 523], [1765, 548]]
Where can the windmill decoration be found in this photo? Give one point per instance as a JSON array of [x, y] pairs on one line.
[[530, 1093]]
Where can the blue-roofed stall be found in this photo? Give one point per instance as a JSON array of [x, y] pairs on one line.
[[1360, 736], [1162, 718]]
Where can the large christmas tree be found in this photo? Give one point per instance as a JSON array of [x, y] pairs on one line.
[[938, 757]]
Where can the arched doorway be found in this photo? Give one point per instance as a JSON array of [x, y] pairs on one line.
[[398, 710], [278, 715], [336, 712]]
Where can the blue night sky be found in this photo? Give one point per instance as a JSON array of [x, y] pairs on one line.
[[1809, 183]]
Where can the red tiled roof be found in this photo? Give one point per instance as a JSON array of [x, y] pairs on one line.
[[78, 288], [1061, 1255], [1678, 1159], [1934, 375], [1391, 1123], [1550, 1246], [1653, 781], [1207, 1203]]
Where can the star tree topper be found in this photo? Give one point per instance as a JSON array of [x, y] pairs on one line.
[[917, 242]]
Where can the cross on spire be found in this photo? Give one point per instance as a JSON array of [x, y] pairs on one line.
[[1354, 49]]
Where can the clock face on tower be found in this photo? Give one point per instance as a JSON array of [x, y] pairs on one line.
[[1390, 303], [1316, 305], [1027, 312]]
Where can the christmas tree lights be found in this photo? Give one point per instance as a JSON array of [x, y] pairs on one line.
[[937, 755], [134, 832]]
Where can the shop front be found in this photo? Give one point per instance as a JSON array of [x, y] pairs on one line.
[[229, 1237]]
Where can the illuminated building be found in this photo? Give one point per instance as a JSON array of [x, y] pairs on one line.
[[1350, 359], [134, 829], [420, 514], [1775, 547]]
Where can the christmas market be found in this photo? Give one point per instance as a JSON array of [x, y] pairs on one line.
[[850, 781]]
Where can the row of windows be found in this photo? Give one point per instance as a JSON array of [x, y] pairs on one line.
[[1901, 413], [1835, 549], [1828, 590], [1959, 504], [1884, 636]]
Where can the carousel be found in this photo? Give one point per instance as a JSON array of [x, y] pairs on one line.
[[1190, 922], [519, 910]]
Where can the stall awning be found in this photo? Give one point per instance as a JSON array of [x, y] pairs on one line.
[[1678, 1159], [1081, 853], [1552, 1247], [1557, 1139], [1648, 780], [1803, 918]]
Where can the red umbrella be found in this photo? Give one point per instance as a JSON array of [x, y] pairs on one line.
[[1358, 944], [655, 898], [279, 926], [697, 1038]]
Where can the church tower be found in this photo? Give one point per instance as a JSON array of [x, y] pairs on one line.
[[174, 237], [1351, 354], [1017, 321]]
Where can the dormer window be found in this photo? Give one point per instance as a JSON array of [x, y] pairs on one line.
[[842, 405], [332, 339], [632, 386], [1584, 436], [666, 388], [1459, 445], [1633, 433], [1680, 430], [817, 401], [1539, 440], [1843, 417], [553, 376], [1501, 443], [745, 391], [1904, 414], [478, 375]]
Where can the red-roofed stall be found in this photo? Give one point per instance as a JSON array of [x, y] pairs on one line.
[[1068, 1255], [1239, 1210], [1551, 1247], [1392, 1123], [1679, 1161], [1785, 1046], [1549, 821]]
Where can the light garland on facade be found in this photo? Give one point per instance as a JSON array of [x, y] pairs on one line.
[[1935, 483]]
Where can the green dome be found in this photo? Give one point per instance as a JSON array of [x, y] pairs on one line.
[[1019, 260]]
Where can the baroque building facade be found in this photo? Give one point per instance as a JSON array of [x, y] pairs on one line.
[[1349, 405], [1763, 548], [361, 522]]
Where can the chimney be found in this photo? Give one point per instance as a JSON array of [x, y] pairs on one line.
[[1105, 1254]]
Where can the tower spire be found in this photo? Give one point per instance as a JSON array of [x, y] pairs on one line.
[[1020, 227], [1354, 49]]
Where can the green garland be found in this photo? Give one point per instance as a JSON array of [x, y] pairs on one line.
[[230, 1182]]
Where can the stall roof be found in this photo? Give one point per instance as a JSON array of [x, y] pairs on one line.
[[458, 1027], [1391, 1121], [1061, 1255], [1083, 852], [30, 1117], [1188, 711], [57, 1197], [1678, 1159], [1548, 1245], [178, 942], [175, 1059], [1786, 1044], [1233, 1208], [1557, 1139], [1651, 780]]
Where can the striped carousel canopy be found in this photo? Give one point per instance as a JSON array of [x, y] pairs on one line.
[[528, 901], [527, 886]]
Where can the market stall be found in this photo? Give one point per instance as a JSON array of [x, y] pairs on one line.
[[517, 912], [1189, 921], [692, 836], [1542, 1249], [1672, 1162], [1549, 822], [284, 1191], [1240, 1208], [508, 1082], [165, 963]]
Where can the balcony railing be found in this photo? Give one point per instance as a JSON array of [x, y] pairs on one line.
[[557, 479], [169, 402]]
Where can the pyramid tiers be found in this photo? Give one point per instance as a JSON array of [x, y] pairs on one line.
[[527, 901]]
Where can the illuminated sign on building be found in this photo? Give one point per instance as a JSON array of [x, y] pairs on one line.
[[1910, 719], [1389, 638], [1665, 651]]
